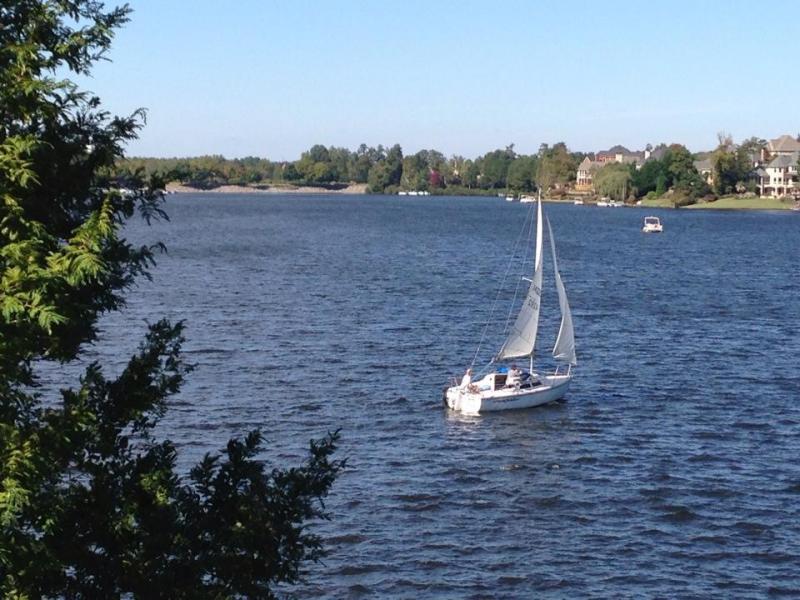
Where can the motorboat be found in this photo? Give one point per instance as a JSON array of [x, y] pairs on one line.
[[652, 225]]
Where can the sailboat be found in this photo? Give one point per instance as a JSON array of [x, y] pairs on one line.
[[501, 388]]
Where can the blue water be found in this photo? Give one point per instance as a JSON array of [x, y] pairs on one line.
[[670, 470]]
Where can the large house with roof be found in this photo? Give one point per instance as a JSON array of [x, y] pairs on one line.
[[777, 173], [583, 179]]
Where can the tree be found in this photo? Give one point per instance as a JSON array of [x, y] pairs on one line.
[[415, 171], [731, 165], [613, 180], [495, 168], [472, 174], [557, 166], [522, 174], [650, 178], [90, 503], [387, 170], [686, 182]]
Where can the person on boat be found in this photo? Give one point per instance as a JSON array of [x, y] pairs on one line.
[[514, 376], [466, 381]]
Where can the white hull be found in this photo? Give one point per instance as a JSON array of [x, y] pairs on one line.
[[652, 225], [553, 387]]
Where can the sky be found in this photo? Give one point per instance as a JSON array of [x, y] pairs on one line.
[[271, 79]]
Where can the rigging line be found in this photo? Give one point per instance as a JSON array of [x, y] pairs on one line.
[[523, 262], [520, 235]]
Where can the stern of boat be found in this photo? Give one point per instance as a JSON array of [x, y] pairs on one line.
[[457, 399]]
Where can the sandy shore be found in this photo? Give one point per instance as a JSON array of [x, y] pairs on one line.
[[356, 188]]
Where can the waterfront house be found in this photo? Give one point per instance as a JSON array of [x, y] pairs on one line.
[[780, 176], [784, 145], [620, 154], [583, 179]]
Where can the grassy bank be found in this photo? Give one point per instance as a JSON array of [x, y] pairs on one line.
[[659, 202], [753, 203]]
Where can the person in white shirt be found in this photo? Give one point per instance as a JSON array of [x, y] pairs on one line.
[[513, 378], [466, 381]]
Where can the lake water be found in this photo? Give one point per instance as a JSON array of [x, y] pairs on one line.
[[670, 470]]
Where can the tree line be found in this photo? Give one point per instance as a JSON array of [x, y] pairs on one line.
[[385, 170]]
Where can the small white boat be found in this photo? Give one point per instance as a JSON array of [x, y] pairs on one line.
[[602, 203], [527, 199], [616, 204], [578, 202], [503, 389], [652, 225], [510, 198]]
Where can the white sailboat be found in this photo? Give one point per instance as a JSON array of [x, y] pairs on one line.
[[501, 388]]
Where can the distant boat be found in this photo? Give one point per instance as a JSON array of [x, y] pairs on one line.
[[527, 199], [652, 225], [603, 203], [501, 388], [402, 193], [578, 202]]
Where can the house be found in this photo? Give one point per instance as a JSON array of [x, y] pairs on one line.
[[583, 180], [620, 154], [706, 170], [785, 145], [615, 154], [780, 177]]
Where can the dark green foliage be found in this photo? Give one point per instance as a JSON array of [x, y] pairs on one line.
[[651, 177], [522, 174], [387, 170], [494, 168], [674, 171], [557, 166], [90, 504], [732, 166], [383, 170]]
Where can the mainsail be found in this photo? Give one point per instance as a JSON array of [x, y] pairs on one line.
[[565, 342], [522, 338]]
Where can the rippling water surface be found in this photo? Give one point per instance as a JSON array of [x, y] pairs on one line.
[[670, 470]]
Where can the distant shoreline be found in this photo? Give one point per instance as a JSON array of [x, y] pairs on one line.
[[725, 203], [356, 188]]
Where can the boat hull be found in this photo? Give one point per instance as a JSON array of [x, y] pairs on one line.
[[553, 387]]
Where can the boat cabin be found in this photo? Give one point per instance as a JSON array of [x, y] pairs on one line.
[[497, 380]]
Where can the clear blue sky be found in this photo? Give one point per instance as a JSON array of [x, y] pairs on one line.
[[273, 78]]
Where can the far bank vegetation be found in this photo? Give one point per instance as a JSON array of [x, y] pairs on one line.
[[668, 178]]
